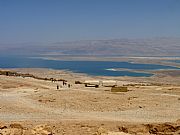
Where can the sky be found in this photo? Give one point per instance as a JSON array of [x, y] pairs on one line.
[[68, 20]]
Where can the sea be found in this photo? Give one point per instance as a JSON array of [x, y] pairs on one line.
[[176, 61], [94, 68]]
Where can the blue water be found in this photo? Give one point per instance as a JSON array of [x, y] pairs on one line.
[[97, 68], [176, 61]]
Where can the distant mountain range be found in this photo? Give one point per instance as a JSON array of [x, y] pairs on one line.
[[109, 47]]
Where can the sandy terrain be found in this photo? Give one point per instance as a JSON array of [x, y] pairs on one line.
[[151, 106]]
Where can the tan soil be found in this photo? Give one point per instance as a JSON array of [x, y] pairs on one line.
[[145, 109]]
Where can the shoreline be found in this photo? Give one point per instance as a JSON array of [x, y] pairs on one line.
[[138, 60], [159, 76]]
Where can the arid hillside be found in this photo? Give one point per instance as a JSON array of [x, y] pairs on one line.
[[30, 105], [113, 47]]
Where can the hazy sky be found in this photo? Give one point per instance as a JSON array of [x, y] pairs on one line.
[[63, 20]]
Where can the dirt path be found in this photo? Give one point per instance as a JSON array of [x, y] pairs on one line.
[[24, 108]]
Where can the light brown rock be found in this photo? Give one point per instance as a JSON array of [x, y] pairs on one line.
[[102, 131], [11, 131], [117, 133], [2, 125], [16, 125], [42, 130]]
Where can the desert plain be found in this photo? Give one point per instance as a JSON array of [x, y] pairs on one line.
[[30, 106]]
